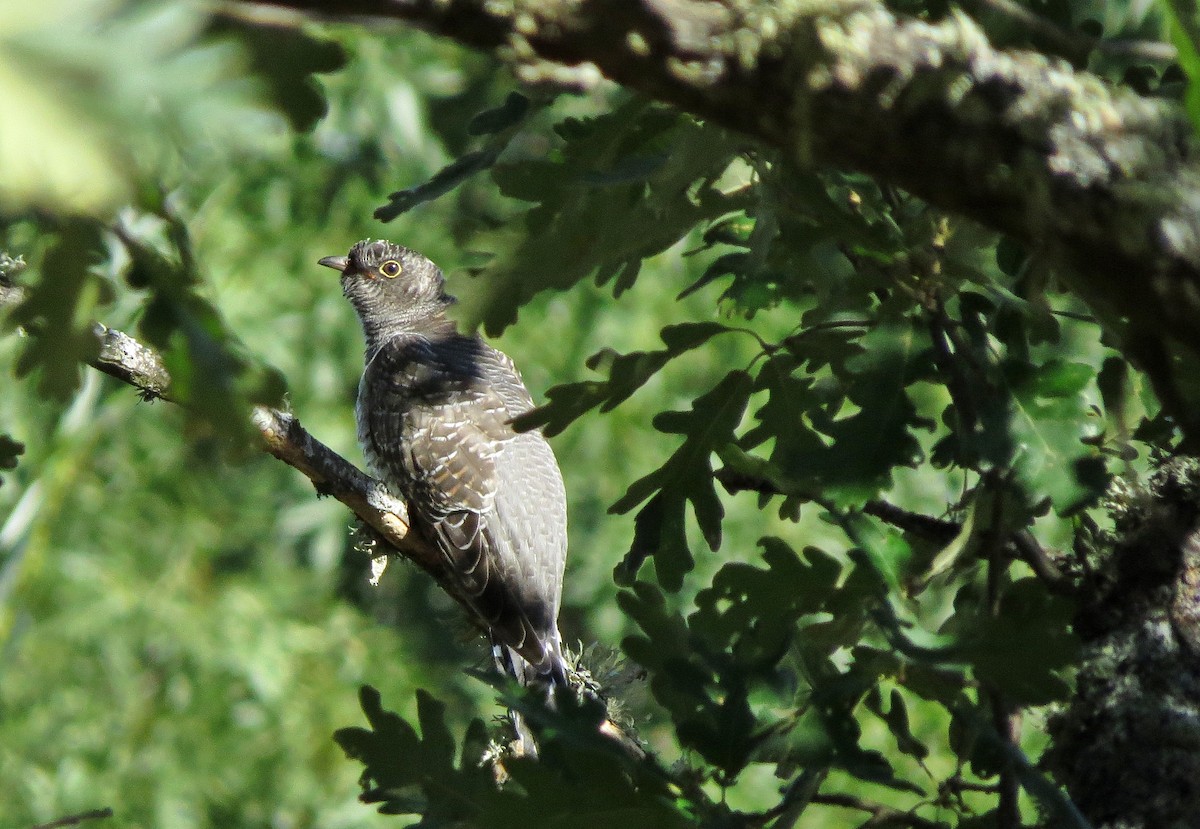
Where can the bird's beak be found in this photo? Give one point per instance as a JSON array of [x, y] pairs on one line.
[[338, 263]]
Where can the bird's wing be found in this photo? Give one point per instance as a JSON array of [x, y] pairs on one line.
[[442, 421]]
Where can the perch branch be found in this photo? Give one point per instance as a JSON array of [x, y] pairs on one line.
[[124, 358]]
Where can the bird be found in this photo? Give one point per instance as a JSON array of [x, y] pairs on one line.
[[435, 415]]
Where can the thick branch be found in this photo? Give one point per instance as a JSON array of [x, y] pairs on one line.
[[1102, 182]]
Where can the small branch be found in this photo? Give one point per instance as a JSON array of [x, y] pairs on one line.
[[75, 820], [1031, 552], [933, 529], [1007, 721], [880, 815], [937, 530], [124, 358], [735, 482], [796, 798], [957, 784]]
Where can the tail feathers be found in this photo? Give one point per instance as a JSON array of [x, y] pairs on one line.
[[554, 675], [549, 677]]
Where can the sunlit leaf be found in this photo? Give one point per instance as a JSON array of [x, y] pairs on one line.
[[622, 189], [626, 374]]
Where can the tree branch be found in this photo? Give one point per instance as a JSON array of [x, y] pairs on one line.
[[1100, 181], [75, 820], [880, 815], [124, 358]]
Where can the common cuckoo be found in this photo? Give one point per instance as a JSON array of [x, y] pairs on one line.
[[435, 411]]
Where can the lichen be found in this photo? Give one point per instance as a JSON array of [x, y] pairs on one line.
[[1127, 747]]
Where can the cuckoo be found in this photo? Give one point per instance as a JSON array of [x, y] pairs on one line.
[[435, 411]]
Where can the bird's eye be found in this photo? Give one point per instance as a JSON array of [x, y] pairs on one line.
[[390, 269]]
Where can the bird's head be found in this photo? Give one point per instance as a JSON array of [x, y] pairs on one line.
[[394, 289]]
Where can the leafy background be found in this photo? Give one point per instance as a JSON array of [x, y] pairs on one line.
[[184, 625]]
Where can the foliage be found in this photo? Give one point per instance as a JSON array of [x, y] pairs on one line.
[[827, 423]]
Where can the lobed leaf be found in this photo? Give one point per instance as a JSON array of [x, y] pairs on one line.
[[687, 476], [621, 189], [626, 374]]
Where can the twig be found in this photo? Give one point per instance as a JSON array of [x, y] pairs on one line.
[[924, 526], [880, 815], [958, 784], [126, 359], [1022, 544], [1007, 721], [75, 820], [1030, 551]]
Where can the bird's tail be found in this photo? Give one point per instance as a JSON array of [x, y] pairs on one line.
[[553, 675]]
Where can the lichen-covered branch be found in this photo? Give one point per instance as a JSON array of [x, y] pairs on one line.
[[331, 474], [1127, 746], [123, 357], [128, 360], [1101, 182]]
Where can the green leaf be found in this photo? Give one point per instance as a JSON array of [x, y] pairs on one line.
[[896, 718], [10, 450], [621, 190], [1183, 19], [1050, 419], [1022, 649], [751, 613], [443, 181], [687, 476], [886, 551], [859, 450], [410, 773], [626, 374], [285, 58], [842, 437], [59, 310], [706, 696]]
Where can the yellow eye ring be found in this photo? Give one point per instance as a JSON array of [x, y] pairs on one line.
[[391, 269]]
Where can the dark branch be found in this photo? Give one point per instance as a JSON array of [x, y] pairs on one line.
[[1021, 544], [880, 815], [937, 530], [75, 820]]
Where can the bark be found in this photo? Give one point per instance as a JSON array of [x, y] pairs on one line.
[[1128, 745]]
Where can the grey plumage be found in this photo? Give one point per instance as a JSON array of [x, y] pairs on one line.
[[435, 410]]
